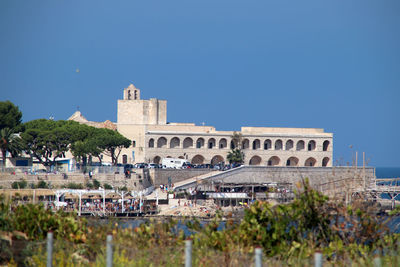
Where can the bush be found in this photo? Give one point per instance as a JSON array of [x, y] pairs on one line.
[[89, 185], [19, 185], [107, 186], [73, 186], [42, 184], [96, 184]]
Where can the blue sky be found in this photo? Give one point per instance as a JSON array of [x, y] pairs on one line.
[[311, 63]]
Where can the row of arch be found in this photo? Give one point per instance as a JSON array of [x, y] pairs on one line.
[[257, 160], [188, 142]]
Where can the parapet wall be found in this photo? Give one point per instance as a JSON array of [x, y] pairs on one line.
[[160, 176], [139, 180]]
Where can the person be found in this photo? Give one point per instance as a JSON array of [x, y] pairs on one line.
[[90, 174]]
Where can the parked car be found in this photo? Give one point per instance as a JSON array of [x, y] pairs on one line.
[[141, 165], [154, 166]]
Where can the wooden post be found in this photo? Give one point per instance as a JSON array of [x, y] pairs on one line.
[[49, 249]]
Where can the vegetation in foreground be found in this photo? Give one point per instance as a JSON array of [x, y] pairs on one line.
[[289, 235]]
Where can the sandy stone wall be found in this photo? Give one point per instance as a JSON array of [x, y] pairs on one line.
[[160, 176], [138, 181]]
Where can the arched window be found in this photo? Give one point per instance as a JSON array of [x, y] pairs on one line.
[[289, 145], [162, 142], [292, 161], [198, 159], [211, 143], [325, 162], [255, 160], [256, 144], [223, 143], [300, 145], [200, 143], [217, 159], [311, 145], [278, 144], [187, 142], [246, 144], [267, 144], [175, 142], [274, 161], [151, 142], [325, 145], [157, 160], [233, 145], [310, 162], [124, 159]]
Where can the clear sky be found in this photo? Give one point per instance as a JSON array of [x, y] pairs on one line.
[[332, 64]]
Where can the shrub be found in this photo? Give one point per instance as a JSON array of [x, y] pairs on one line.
[[96, 184], [19, 185], [107, 186], [73, 186], [42, 184]]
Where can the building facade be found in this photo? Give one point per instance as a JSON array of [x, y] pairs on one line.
[[144, 122]]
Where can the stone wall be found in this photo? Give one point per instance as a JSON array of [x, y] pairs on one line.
[[324, 178], [138, 181], [160, 176]]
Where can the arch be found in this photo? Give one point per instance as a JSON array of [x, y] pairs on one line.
[[325, 162], [278, 144], [211, 143], [255, 160], [187, 142], [200, 142], [198, 159], [246, 144], [233, 145], [292, 161], [256, 144], [124, 159], [325, 145], [162, 142], [175, 142], [300, 145], [217, 159], [289, 145], [274, 161], [311, 145], [310, 162], [157, 160], [223, 143], [267, 144], [151, 142]]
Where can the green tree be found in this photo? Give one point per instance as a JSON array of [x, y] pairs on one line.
[[47, 140], [235, 156], [111, 142], [86, 144], [9, 142], [10, 115]]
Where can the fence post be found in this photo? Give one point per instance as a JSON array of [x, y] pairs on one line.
[[109, 251], [188, 253], [318, 259], [377, 262], [49, 249], [258, 257]]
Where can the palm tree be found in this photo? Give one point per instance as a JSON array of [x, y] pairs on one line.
[[9, 142], [235, 156]]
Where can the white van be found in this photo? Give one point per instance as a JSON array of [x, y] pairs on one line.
[[174, 163]]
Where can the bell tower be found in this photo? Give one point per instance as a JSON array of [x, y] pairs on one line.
[[131, 93], [135, 111]]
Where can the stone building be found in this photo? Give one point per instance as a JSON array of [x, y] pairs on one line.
[[144, 122]]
